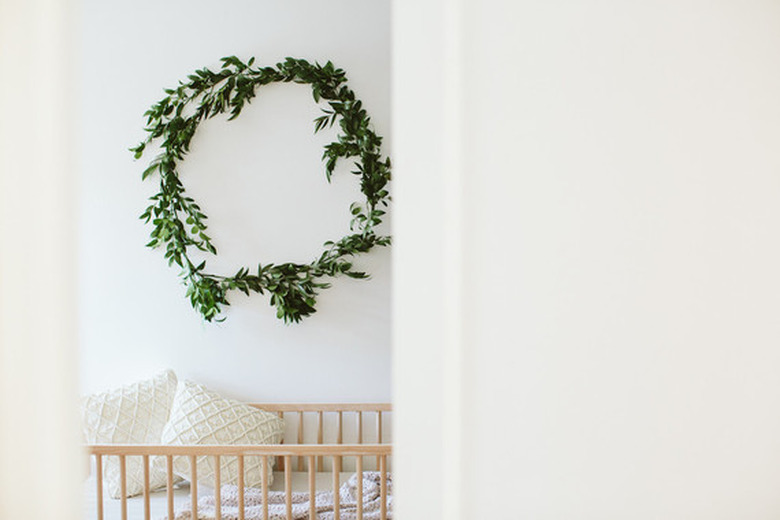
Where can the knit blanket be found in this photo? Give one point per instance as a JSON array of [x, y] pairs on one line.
[[277, 508]]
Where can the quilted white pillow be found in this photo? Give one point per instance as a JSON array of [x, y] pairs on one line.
[[132, 414], [200, 416]]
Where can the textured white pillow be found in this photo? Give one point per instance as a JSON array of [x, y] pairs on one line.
[[132, 414], [200, 416]]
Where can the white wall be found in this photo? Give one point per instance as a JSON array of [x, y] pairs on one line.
[[38, 413], [620, 239], [260, 181]]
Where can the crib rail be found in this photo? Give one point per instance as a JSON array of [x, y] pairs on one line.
[[308, 452], [324, 407], [281, 450], [295, 414]]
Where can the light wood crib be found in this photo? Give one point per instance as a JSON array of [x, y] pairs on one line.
[[323, 456]]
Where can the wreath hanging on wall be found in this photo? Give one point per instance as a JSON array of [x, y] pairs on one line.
[[179, 223]]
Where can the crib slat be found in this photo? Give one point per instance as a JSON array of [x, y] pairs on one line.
[[218, 487], [280, 459], [264, 482], [169, 488], [359, 472], [378, 432], [336, 486], [383, 487], [194, 485], [123, 484], [300, 438], [241, 487], [340, 434], [99, 480], [312, 489], [319, 438], [147, 505], [360, 427], [288, 487]]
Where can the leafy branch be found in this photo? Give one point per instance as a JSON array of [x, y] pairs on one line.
[[179, 224]]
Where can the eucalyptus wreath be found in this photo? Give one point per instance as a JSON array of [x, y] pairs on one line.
[[179, 224]]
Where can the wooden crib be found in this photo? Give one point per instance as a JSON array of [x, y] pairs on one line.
[[318, 450]]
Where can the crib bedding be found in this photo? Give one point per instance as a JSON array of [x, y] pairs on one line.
[[301, 506], [181, 497]]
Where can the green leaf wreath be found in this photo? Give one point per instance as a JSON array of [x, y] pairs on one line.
[[180, 224]]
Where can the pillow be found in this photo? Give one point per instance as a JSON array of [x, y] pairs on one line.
[[200, 416], [132, 414]]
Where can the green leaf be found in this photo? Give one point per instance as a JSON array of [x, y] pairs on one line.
[[150, 170]]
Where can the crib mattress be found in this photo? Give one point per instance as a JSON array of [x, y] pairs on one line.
[[159, 499]]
